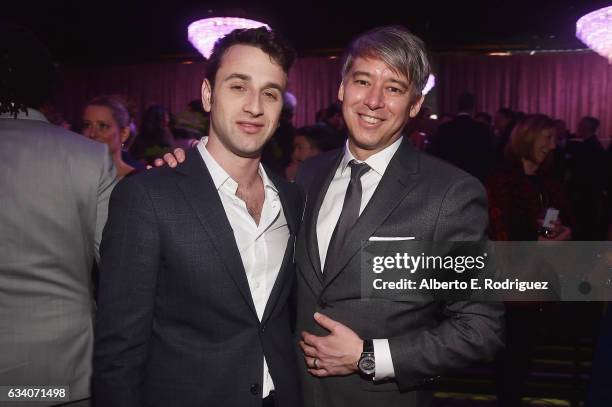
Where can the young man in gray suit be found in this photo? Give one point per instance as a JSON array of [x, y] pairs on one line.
[[389, 189], [197, 261], [55, 187]]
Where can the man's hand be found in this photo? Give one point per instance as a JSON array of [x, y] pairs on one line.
[[336, 354], [171, 159], [558, 232]]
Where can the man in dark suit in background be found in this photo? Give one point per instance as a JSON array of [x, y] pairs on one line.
[[391, 191], [587, 180], [197, 261], [465, 142]]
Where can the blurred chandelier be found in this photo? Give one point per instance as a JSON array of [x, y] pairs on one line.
[[595, 30], [431, 82], [203, 34]]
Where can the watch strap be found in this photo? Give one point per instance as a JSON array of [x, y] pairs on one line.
[[368, 346]]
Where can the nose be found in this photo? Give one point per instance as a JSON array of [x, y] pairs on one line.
[[88, 132], [253, 105], [374, 98]]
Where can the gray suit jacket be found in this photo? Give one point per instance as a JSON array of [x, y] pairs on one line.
[[55, 188], [420, 197]]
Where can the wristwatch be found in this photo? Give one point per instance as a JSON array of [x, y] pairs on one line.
[[367, 364]]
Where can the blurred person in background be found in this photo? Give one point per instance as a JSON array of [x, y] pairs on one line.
[[277, 152], [308, 142], [107, 120], [522, 188], [503, 122], [520, 192], [194, 119], [155, 138], [587, 180], [484, 118]]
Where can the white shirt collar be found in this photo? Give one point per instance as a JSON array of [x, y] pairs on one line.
[[32, 114], [220, 176], [378, 162]]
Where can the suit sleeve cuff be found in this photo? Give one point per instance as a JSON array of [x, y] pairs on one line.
[[384, 364]]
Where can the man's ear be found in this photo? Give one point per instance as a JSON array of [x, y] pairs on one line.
[[416, 106], [341, 92], [206, 95]]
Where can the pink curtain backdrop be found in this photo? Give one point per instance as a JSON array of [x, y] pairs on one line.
[[171, 85], [565, 85], [314, 81]]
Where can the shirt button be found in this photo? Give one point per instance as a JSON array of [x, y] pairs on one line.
[[256, 285]]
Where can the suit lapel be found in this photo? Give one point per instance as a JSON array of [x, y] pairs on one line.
[[200, 192], [400, 177], [314, 199]]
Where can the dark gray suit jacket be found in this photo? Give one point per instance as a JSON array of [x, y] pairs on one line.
[[176, 324], [419, 197]]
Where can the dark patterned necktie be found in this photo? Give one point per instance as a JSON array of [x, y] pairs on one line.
[[348, 216]]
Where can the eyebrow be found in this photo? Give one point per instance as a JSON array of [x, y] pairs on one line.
[[398, 81], [243, 77]]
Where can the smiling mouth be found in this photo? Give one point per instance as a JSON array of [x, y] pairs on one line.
[[370, 119], [249, 127]]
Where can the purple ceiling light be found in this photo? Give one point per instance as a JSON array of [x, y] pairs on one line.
[[595, 30], [203, 34]]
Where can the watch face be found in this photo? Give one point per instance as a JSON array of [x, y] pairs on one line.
[[367, 364]]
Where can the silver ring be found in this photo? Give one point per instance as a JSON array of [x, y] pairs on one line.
[[315, 362]]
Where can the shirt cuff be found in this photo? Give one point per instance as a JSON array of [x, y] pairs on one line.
[[384, 364]]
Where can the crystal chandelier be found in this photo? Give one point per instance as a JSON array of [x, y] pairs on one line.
[[203, 34], [595, 30]]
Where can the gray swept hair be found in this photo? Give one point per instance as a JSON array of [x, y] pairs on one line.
[[397, 47]]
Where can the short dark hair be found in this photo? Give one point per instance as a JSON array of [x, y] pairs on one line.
[[398, 48], [269, 42], [27, 74], [333, 110], [465, 102], [317, 136], [486, 117], [506, 112], [590, 122], [196, 105]]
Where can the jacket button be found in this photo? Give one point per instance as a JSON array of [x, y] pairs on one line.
[[262, 328], [255, 389], [322, 303]]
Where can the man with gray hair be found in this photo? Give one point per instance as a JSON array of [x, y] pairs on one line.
[[378, 352], [373, 352]]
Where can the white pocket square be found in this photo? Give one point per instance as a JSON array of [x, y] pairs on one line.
[[390, 239]]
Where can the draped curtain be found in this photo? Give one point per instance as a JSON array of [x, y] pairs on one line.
[[314, 81], [565, 85]]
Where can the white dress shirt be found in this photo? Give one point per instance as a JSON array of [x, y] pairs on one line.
[[330, 213], [262, 247]]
